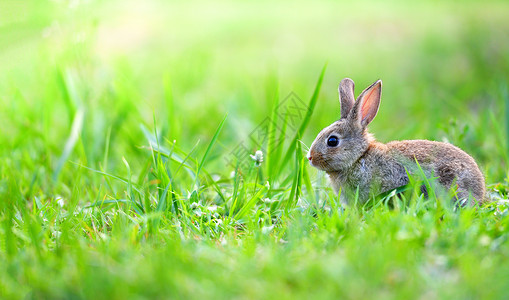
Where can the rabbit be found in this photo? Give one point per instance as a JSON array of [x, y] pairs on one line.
[[361, 167]]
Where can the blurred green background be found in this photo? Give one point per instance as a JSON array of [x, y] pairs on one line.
[[444, 66], [84, 84]]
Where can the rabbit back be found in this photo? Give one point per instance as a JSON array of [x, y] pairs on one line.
[[445, 161], [384, 167]]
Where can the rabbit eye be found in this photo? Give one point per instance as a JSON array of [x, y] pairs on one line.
[[332, 141]]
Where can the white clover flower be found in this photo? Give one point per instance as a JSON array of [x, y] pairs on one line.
[[267, 229], [268, 200], [212, 208], [60, 201], [257, 157]]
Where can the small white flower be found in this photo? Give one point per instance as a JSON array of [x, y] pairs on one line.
[[268, 200], [257, 157], [60, 201], [267, 229], [485, 240]]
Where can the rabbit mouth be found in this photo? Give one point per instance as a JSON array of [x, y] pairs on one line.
[[320, 164], [318, 160]]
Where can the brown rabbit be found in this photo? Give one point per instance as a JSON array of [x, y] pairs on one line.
[[357, 164]]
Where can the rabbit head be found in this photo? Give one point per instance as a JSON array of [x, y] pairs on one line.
[[342, 143]]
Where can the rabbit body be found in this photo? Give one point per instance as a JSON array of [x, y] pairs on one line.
[[357, 164], [384, 167]]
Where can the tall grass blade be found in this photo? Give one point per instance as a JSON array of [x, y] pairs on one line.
[[74, 135], [209, 147], [71, 98], [250, 203], [273, 142], [295, 191], [305, 121], [505, 98]]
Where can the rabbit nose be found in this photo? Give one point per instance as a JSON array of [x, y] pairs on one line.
[[310, 155]]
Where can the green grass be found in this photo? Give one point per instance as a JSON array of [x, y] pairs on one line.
[[118, 122]]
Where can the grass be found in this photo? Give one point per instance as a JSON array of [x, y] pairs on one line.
[[122, 124]]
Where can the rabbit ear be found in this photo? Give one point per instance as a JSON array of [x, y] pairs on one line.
[[346, 96], [367, 104]]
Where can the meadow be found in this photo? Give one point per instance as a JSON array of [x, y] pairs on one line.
[[127, 129]]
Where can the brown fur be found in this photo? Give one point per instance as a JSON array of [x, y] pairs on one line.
[[359, 164]]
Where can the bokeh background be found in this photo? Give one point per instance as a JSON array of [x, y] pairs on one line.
[[87, 211], [184, 65]]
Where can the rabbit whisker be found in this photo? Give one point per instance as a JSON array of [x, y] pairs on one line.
[[305, 146]]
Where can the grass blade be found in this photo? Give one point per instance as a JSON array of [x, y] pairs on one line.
[[209, 147], [272, 159], [74, 135], [305, 122]]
